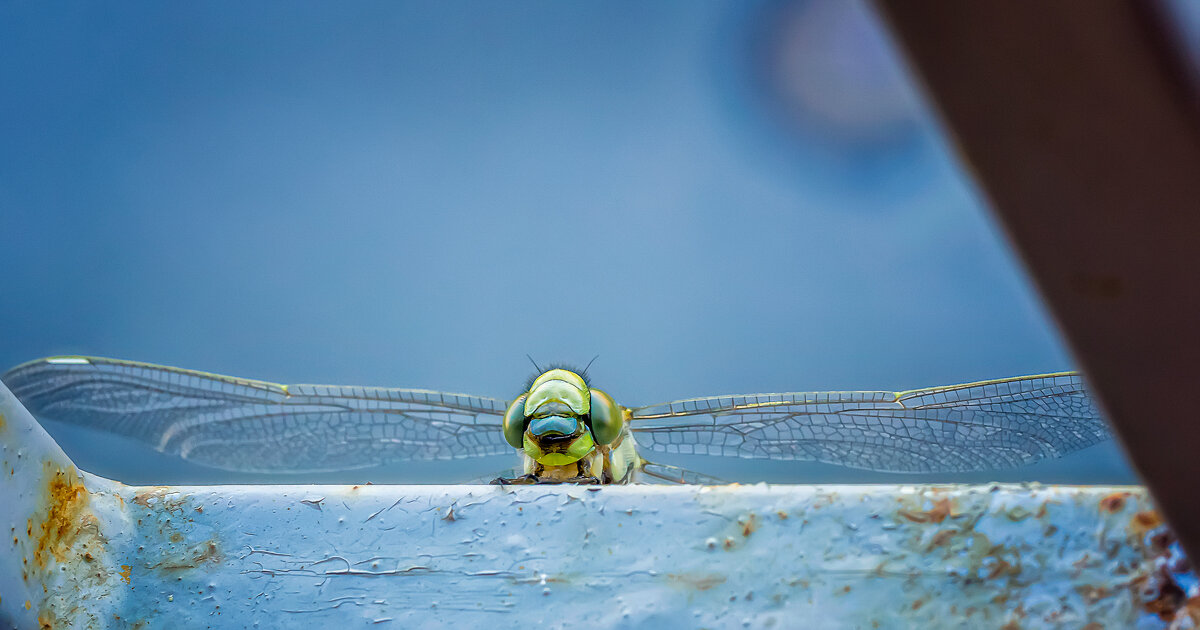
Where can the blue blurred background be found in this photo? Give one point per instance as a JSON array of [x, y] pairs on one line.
[[722, 197]]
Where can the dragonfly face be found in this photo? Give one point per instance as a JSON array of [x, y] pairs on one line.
[[565, 428]]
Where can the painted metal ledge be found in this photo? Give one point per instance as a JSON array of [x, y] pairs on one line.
[[87, 552]]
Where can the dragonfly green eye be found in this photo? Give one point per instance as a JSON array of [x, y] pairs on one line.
[[607, 418], [514, 422]]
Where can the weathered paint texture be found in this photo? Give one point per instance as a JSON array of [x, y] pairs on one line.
[[90, 553]]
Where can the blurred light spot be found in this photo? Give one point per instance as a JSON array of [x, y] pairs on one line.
[[830, 67]]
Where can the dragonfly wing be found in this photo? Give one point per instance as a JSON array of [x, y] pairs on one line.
[[977, 426], [663, 474], [254, 426]]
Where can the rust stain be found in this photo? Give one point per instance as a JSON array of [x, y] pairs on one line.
[[750, 525], [67, 499], [208, 552], [1003, 567], [3, 422], [1145, 521], [936, 514], [698, 582], [1093, 594], [158, 497], [125, 572], [942, 538], [1166, 604], [1114, 502]]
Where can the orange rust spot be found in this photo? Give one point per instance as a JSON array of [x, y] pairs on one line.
[[698, 582], [1093, 594], [3, 422], [1041, 511], [157, 498], [199, 555], [1002, 567], [936, 514], [176, 537], [917, 604], [1093, 626], [749, 526], [67, 498], [1113, 502], [782, 515], [125, 573], [942, 537], [1145, 521], [28, 604]]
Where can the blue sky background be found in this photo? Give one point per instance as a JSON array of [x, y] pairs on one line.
[[718, 198]]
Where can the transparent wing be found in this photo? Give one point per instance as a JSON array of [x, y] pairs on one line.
[[253, 426], [977, 426], [663, 474]]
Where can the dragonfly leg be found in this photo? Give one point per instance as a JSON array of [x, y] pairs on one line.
[[523, 480], [586, 480]]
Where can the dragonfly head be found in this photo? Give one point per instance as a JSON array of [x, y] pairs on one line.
[[561, 419]]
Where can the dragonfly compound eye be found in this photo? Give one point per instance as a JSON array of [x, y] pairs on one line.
[[514, 422], [606, 418]]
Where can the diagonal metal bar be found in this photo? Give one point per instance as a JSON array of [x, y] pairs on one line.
[[1080, 124]]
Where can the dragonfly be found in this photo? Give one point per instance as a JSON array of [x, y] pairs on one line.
[[563, 429]]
